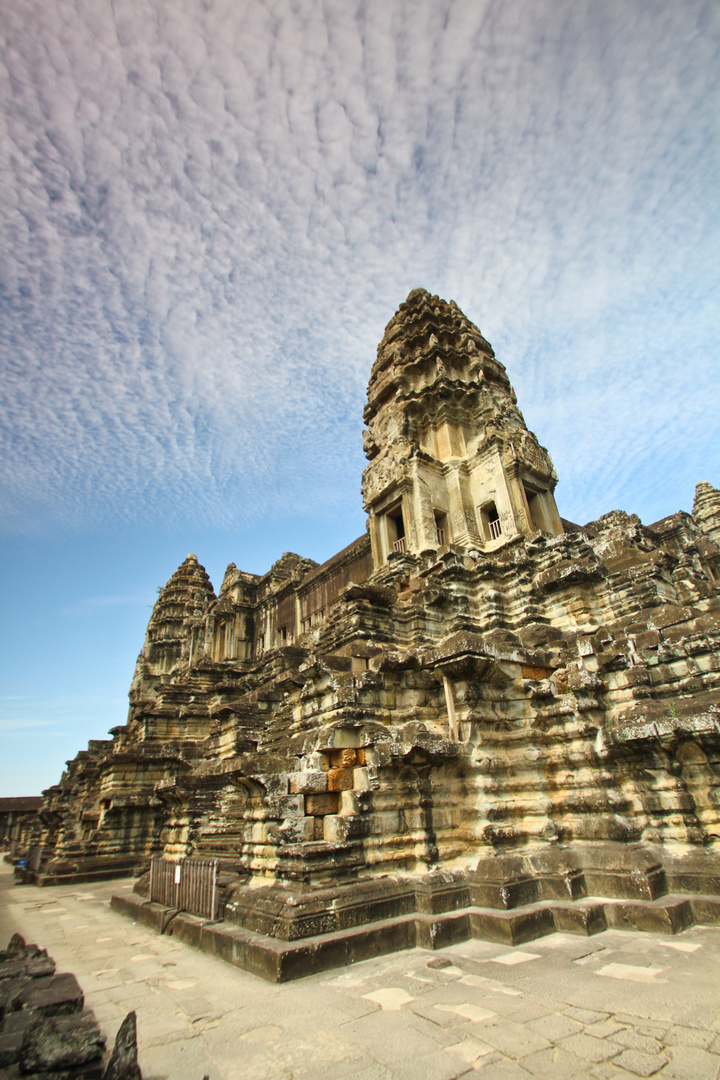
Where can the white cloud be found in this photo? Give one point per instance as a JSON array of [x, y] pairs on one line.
[[211, 211], [89, 604], [20, 726]]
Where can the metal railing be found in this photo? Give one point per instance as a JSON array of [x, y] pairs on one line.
[[495, 529], [399, 545], [441, 537], [187, 885]]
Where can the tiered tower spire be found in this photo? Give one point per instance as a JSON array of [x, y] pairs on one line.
[[451, 460], [178, 611], [706, 510]]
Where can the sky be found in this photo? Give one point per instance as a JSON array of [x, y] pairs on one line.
[[211, 208]]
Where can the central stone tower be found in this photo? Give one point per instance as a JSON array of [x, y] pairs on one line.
[[451, 460]]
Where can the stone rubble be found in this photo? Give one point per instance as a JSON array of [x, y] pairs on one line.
[[478, 718], [123, 1063], [44, 1027]]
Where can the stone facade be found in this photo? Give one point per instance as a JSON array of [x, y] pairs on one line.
[[475, 704]]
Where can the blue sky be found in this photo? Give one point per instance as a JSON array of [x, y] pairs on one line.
[[210, 211]]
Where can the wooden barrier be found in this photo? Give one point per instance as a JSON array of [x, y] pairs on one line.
[[187, 885]]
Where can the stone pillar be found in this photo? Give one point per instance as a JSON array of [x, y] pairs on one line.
[[518, 501]]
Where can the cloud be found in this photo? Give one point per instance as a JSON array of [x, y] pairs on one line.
[[21, 713], [211, 211], [20, 726], [104, 603]]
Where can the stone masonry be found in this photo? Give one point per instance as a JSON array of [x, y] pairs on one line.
[[477, 719]]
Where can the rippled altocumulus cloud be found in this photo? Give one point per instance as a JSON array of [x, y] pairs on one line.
[[210, 210]]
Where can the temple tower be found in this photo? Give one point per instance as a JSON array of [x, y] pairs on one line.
[[174, 633], [451, 460], [706, 510]]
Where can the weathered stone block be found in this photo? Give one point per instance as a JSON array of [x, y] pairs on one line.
[[343, 738], [414, 818], [361, 779], [378, 755], [340, 779], [327, 803], [409, 699], [53, 996], [46, 1047], [287, 805], [33, 967], [339, 830], [316, 762], [669, 615], [648, 639], [385, 822], [295, 830], [308, 783], [343, 759], [349, 803]]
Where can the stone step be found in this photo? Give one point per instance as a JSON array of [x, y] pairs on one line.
[[281, 961]]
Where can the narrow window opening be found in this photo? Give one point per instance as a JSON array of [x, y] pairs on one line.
[[536, 507], [220, 641], [396, 530], [441, 526], [490, 520]]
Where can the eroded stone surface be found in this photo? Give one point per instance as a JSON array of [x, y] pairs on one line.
[[477, 703], [46, 1047]]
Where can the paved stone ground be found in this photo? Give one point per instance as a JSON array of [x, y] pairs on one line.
[[615, 1005]]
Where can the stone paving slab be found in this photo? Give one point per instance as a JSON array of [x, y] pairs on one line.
[[618, 1005]]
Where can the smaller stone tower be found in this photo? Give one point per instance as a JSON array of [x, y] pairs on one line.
[[706, 510], [176, 630], [451, 460]]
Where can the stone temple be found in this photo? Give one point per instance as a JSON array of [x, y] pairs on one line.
[[476, 719]]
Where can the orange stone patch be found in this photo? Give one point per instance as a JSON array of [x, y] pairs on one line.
[[343, 759], [529, 672], [340, 779]]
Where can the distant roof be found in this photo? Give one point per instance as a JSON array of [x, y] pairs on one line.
[[23, 804]]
